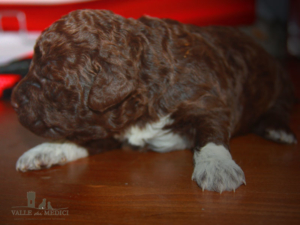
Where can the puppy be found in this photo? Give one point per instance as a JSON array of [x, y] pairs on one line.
[[98, 79]]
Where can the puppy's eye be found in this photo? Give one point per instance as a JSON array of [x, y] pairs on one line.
[[57, 129], [36, 85], [38, 123]]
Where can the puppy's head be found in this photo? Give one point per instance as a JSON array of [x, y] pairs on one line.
[[82, 82]]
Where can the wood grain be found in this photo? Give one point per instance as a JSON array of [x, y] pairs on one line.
[[129, 187]]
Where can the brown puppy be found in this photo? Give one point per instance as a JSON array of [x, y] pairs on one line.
[[97, 77]]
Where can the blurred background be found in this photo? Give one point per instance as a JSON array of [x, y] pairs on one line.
[[272, 23]]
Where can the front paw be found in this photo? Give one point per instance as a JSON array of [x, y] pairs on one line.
[[215, 170], [48, 154]]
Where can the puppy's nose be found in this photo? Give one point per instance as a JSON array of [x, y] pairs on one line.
[[14, 104], [19, 99]]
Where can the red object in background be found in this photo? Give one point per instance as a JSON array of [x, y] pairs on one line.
[[198, 12], [7, 81]]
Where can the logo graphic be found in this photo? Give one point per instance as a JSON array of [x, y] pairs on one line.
[[43, 209]]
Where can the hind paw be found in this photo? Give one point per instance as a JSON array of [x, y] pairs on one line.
[[281, 136]]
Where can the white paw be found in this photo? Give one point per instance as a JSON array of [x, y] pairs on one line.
[[215, 170], [282, 136], [48, 154]]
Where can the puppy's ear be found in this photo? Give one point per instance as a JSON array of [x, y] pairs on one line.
[[109, 89]]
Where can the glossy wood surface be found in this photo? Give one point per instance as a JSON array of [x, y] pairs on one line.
[[129, 187]]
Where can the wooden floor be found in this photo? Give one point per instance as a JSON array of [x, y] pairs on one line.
[[127, 187]]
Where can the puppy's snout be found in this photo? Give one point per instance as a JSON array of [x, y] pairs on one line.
[[19, 99], [24, 92], [14, 104]]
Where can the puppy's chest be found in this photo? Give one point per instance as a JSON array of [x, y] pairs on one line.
[[155, 136]]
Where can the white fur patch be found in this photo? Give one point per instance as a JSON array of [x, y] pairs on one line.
[[215, 170], [282, 136], [47, 154], [156, 137]]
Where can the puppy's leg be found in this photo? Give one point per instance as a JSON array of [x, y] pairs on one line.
[[58, 153], [48, 154], [274, 126], [214, 168]]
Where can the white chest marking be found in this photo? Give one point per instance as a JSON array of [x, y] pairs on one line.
[[158, 139]]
